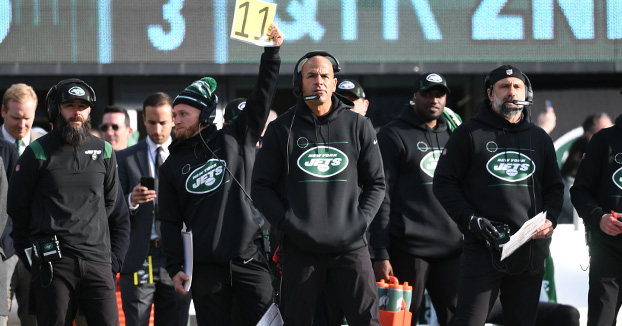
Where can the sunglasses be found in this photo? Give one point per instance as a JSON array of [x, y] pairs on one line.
[[104, 127]]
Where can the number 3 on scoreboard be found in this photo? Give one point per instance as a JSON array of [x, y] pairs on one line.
[[251, 21], [172, 39]]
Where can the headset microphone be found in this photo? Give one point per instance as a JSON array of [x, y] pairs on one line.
[[517, 102], [311, 97]]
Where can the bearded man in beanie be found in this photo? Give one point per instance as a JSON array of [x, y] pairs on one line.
[[204, 184], [497, 171], [61, 194]]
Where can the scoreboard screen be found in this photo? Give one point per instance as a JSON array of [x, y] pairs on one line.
[[355, 31]]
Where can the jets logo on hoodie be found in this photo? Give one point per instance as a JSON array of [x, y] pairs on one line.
[[206, 178], [429, 162], [323, 161], [511, 166], [617, 178]]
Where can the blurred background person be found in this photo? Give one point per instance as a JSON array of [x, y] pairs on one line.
[[115, 127], [352, 90]]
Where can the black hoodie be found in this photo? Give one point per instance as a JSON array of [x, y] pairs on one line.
[[197, 188], [597, 189], [502, 171], [410, 217], [320, 180]]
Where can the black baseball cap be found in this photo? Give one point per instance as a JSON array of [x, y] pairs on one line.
[[234, 109], [430, 80], [75, 91], [503, 72], [350, 86]]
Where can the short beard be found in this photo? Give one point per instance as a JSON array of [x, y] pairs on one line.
[[74, 136], [505, 109], [188, 133]]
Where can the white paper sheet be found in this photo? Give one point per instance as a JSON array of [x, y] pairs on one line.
[[523, 235], [188, 252], [272, 317]]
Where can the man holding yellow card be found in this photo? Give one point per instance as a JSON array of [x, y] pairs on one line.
[[205, 183]]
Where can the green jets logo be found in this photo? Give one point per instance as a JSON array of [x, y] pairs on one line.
[[206, 178], [323, 161], [511, 166], [617, 178], [428, 163], [48, 246]]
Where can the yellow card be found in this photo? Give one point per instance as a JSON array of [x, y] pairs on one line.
[[251, 20]]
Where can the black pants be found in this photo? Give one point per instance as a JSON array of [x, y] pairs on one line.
[[549, 314], [481, 281], [605, 293], [170, 307], [347, 279], [75, 282], [214, 287], [438, 276]]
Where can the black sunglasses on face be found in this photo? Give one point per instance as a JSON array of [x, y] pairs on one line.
[[104, 127]]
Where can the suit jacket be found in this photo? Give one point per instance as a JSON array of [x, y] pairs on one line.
[[6, 273], [9, 155], [33, 135], [133, 163]]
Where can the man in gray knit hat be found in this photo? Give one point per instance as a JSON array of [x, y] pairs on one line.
[[204, 184]]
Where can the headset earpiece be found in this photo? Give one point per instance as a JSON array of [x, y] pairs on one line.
[[51, 99], [297, 78], [528, 89], [206, 114]]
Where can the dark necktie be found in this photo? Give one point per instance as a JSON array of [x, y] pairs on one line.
[[18, 144], [158, 163]]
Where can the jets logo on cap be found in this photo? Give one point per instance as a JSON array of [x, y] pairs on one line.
[[511, 166], [76, 91], [429, 162], [434, 78], [617, 178], [509, 72], [346, 85], [207, 177], [323, 161]]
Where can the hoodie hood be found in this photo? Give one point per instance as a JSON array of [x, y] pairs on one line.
[[489, 117], [339, 105], [409, 116]]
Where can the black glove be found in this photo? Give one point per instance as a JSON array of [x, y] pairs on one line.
[[483, 229]]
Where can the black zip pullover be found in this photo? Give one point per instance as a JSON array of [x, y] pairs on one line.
[[58, 189]]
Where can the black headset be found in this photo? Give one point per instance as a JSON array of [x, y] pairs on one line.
[[51, 99], [297, 80], [206, 113], [528, 89]]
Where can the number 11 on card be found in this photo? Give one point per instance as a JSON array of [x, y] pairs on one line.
[[251, 20]]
